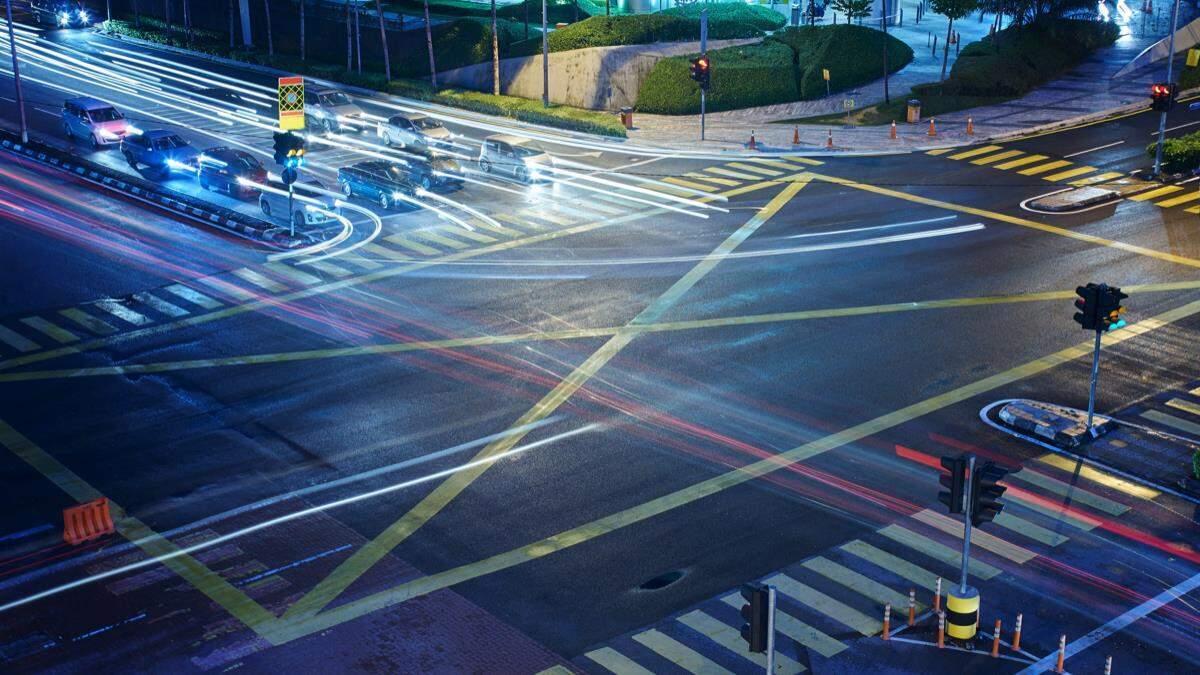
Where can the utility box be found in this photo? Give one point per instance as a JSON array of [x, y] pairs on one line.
[[627, 117], [914, 111]]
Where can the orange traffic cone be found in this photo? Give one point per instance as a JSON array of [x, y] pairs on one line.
[[970, 127], [752, 145], [932, 129], [829, 141], [796, 135], [1062, 652], [893, 134]]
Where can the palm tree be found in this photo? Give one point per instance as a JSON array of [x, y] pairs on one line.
[[232, 39], [303, 51], [137, 13], [495, 54], [187, 20], [270, 33], [349, 41], [387, 60], [429, 44]]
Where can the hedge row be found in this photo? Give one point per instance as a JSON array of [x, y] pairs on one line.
[[606, 31], [785, 67], [762, 18], [1180, 154]]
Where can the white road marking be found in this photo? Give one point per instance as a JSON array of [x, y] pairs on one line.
[[1099, 147]]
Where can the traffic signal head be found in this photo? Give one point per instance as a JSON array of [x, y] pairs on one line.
[[1109, 308], [1162, 95], [986, 492], [755, 613], [701, 70], [281, 146], [289, 149], [1088, 306], [954, 482]]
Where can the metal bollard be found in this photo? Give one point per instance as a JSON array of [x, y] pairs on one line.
[[1108, 665], [1062, 654], [937, 596]]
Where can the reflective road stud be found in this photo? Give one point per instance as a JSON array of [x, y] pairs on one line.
[[962, 613], [1016, 645]]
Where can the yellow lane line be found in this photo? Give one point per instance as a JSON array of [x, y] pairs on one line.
[[566, 334], [193, 571], [1014, 220], [373, 551], [715, 485]]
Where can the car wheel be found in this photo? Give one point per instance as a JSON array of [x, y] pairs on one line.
[[385, 201], [485, 166], [204, 184], [387, 139], [327, 126], [297, 221], [347, 190], [521, 174], [130, 160], [426, 183], [67, 131], [265, 206], [96, 145]]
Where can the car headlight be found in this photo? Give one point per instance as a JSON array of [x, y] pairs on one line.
[[179, 166], [398, 195], [83, 15], [64, 19]]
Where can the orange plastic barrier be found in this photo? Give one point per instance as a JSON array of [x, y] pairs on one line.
[[87, 521]]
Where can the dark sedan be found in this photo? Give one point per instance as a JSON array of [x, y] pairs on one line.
[[381, 182], [220, 169]]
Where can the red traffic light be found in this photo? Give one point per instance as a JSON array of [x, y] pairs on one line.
[[1159, 90]]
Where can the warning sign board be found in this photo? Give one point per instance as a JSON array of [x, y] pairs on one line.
[[291, 103]]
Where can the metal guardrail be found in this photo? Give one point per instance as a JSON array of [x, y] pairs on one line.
[[151, 193]]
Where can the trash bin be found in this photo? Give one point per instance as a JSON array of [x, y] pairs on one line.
[[627, 117], [914, 111], [560, 26]]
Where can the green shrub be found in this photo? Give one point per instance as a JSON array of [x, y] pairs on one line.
[[762, 18], [1179, 154], [604, 31], [853, 55]]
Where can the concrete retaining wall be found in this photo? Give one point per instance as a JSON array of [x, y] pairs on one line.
[[600, 78]]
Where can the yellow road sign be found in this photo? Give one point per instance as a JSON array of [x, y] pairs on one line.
[[291, 103], [1193, 57], [825, 74]]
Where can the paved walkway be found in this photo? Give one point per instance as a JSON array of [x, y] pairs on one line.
[[1087, 89]]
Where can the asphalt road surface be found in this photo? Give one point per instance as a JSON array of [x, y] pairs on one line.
[[559, 427]]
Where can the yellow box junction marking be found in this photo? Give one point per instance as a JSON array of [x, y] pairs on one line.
[[372, 552]]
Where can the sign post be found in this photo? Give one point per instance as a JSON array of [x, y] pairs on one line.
[[825, 75], [291, 103], [770, 630]]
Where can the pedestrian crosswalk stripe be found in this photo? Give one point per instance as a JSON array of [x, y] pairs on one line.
[[1178, 424], [987, 542], [522, 223], [731, 638], [122, 312], [740, 175], [675, 191], [1022, 161], [17, 341], [814, 599], [713, 179], [1096, 476], [401, 241], [939, 151], [1184, 405], [804, 160], [265, 283], [616, 662], [543, 213], [59, 335], [1043, 168], [974, 152], [494, 227], [1195, 392], [1155, 194], [359, 261], [931, 548], [762, 171], [896, 565], [88, 321], [611, 209], [1069, 173], [677, 653], [992, 159], [1092, 180], [1194, 209], [227, 288], [1025, 528], [796, 629], [864, 585], [1176, 201], [302, 278], [1073, 492], [160, 305], [773, 162], [556, 670], [384, 252], [331, 269], [474, 236], [193, 296], [1056, 513], [438, 238], [690, 184]]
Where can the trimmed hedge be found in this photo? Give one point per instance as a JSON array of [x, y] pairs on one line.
[[667, 26], [526, 110], [1179, 154], [762, 18], [784, 67]]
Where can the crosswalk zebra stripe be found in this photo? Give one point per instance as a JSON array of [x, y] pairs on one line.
[[544, 214], [931, 548], [1057, 514], [796, 629], [992, 159], [1022, 161], [59, 335], [616, 662], [265, 283], [690, 184], [295, 275], [983, 540], [160, 305], [862, 584], [1043, 168], [123, 313], [1184, 405], [681, 655], [1069, 173], [331, 269], [1172, 421], [975, 152], [520, 223], [384, 252], [1155, 194], [413, 246], [193, 296], [894, 564], [88, 321], [762, 171], [1097, 476], [435, 237], [17, 341], [494, 227], [811, 597], [1025, 528], [731, 638], [474, 236], [1077, 495], [713, 179]]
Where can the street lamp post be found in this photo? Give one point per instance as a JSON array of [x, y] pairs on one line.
[[545, 61], [1162, 119], [12, 47]]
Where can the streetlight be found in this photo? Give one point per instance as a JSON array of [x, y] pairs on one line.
[[12, 47], [545, 61]]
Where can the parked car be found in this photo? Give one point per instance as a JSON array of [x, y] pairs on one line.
[[61, 13], [275, 206], [436, 171], [220, 168], [413, 130], [92, 119], [515, 157], [330, 111], [161, 152], [382, 182]]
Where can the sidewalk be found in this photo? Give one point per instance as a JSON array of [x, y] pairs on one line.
[[1086, 90]]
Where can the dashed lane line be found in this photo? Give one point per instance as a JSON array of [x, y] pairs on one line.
[[715, 485]]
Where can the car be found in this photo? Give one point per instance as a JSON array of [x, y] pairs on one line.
[[383, 182], [435, 170], [160, 151], [220, 168], [331, 111], [275, 205], [413, 130], [237, 99], [61, 13], [90, 118], [515, 157]]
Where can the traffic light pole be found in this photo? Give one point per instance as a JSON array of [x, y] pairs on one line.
[[12, 47], [701, 114], [1162, 118], [291, 215], [1095, 376], [770, 630], [966, 556]]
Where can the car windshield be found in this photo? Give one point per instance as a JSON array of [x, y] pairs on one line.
[[427, 123], [394, 173], [105, 115], [244, 160], [169, 143], [334, 99], [523, 151]]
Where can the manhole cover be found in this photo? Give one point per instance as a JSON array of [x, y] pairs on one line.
[[662, 581]]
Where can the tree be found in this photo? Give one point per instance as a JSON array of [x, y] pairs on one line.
[[495, 54], [232, 38], [951, 9], [270, 33], [303, 46], [853, 9], [137, 13], [349, 41], [387, 59], [429, 45]]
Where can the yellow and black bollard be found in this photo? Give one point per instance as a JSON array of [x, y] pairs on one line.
[[962, 613]]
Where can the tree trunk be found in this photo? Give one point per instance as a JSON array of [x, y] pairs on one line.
[[946, 49], [349, 42], [886, 97], [303, 45], [387, 59], [137, 13], [187, 20], [429, 45], [167, 12], [232, 38], [357, 40], [495, 54], [270, 33], [607, 9]]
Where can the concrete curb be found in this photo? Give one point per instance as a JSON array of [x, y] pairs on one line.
[[150, 193]]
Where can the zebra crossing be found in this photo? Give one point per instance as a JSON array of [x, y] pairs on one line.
[[828, 601]]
